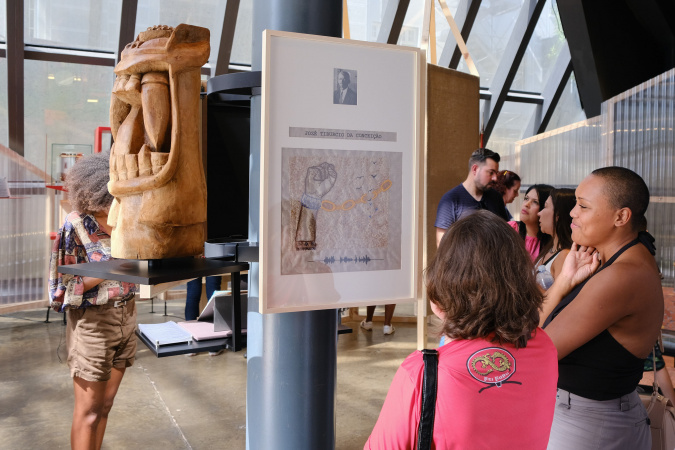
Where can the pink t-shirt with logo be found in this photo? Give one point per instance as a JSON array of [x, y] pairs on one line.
[[489, 396]]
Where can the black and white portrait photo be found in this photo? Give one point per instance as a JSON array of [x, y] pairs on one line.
[[344, 87]]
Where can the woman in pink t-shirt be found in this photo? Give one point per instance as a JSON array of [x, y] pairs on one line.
[[497, 374], [528, 225]]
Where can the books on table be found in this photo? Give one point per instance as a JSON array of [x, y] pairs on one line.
[[198, 330], [165, 333]]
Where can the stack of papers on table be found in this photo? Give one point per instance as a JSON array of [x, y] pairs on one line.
[[165, 333], [201, 331]]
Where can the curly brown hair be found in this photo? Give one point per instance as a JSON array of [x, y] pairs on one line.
[[505, 180], [481, 278], [87, 184]]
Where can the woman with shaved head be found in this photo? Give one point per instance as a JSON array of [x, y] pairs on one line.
[[603, 313]]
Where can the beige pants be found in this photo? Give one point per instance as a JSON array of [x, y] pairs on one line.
[[100, 338]]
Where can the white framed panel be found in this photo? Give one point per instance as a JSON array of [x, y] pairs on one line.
[[341, 173]]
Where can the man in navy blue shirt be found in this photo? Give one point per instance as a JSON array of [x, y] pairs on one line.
[[474, 193]]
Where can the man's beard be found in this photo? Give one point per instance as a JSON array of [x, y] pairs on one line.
[[482, 187]]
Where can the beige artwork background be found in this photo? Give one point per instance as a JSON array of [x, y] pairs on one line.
[[363, 230]]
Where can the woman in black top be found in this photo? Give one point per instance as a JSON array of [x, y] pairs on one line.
[[605, 319]]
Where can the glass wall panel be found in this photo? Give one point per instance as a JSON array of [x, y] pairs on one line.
[[510, 125], [640, 135], [243, 33], [203, 13], [546, 43], [411, 32], [365, 18], [442, 27], [490, 34], [561, 157], [24, 227], [3, 21], [76, 24], [64, 103], [568, 110], [4, 130]]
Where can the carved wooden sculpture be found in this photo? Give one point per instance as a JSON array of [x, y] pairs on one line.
[[156, 172]]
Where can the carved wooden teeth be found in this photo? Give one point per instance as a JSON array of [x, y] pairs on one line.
[[145, 163], [113, 164], [158, 161], [132, 166], [121, 167]]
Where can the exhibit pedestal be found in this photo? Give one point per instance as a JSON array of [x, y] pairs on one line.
[[164, 271]]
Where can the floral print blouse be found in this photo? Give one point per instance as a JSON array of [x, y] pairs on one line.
[[82, 240]]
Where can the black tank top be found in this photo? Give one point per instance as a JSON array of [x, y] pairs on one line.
[[602, 368]]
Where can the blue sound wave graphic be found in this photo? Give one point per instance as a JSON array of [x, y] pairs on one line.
[[346, 260]]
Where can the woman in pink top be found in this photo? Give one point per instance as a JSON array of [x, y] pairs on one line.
[[497, 374], [528, 225]]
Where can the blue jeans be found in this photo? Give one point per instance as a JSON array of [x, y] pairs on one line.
[[194, 293]]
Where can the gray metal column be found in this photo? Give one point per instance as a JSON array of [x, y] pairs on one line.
[[292, 357]]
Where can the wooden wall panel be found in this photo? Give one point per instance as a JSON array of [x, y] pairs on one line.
[[453, 105]]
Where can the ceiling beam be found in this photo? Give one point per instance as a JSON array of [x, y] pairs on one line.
[[15, 75], [531, 98], [467, 10], [69, 56], [509, 63], [227, 37], [579, 41], [392, 21], [555, 85], [127, 25]]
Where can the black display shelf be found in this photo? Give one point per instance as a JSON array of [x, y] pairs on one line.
[[239, 83], [228, 249], [154, 272], [344, 329]]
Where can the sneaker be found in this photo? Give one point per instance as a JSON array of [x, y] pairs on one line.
[[216, 353], [388, 329], [368, 326]]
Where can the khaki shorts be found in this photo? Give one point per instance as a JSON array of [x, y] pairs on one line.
[[100, 338]]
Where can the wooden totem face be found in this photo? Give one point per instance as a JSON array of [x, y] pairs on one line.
[[156, 171]]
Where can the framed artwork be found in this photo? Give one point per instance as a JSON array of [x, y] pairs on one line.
[[341, 173]]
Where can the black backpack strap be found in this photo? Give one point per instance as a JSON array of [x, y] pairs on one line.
[[429, 384]]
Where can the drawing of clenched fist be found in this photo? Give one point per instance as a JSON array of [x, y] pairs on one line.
[[318, 182]]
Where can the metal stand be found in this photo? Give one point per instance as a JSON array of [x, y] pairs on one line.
[[47, 319], [292, 357]]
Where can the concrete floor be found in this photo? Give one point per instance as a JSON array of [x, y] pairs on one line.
[[176, 402]]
